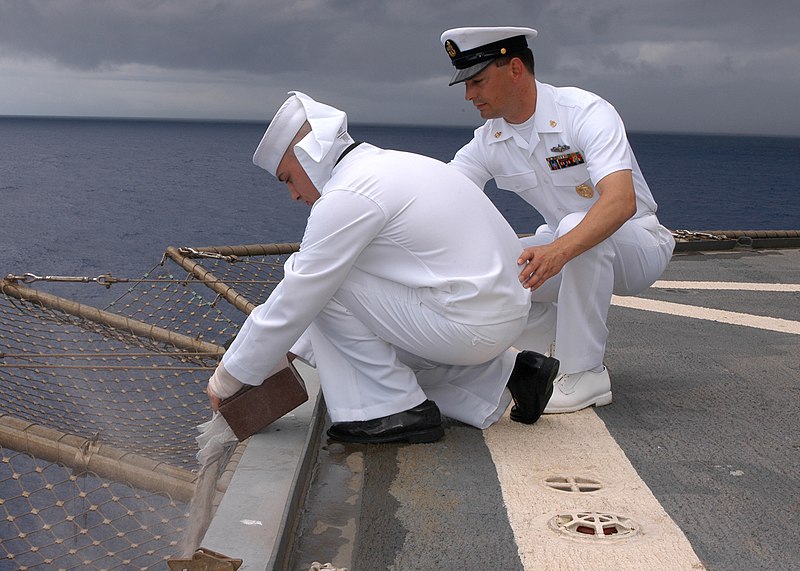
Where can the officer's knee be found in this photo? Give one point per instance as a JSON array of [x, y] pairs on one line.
[[569, 222]]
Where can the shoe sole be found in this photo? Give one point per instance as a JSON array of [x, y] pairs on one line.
[[602, 400], [516, 416], [416, 437]]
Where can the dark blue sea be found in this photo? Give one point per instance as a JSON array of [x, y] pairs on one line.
[[86, 197]]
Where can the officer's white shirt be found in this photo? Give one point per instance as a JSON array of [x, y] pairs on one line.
[[567, 120], [576, 139], [401, 217]]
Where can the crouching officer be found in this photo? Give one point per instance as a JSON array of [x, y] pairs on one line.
[[565, 152]]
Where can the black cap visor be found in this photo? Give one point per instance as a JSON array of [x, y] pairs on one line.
[[469, 72]]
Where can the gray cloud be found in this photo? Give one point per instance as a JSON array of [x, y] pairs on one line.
[[665, 64]]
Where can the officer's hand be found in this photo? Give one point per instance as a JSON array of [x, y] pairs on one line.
[[540, 264]]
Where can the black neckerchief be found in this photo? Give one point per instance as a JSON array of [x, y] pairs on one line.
[[347, 150]]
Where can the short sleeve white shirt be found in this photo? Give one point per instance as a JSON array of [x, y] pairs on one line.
[[578, 138]]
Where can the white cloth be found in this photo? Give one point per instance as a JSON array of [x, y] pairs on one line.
[[405, 267], [572, 308], [216, 443]]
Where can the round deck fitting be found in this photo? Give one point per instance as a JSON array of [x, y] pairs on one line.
[[572, 484], [594, 526]]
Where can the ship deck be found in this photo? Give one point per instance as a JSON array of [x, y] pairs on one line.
[[695, 464]]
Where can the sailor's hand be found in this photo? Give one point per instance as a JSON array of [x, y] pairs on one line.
[[540, 263], [214, 399], [221, 385]]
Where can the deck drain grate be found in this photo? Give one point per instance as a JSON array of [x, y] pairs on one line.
[[572, 484], [594, 526]]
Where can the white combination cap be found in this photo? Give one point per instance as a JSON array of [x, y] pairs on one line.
[[472, 49]]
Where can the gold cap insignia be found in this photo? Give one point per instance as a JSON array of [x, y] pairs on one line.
[[503, 51], [451, 49], [584, 190], [497, 134], [553, 123]]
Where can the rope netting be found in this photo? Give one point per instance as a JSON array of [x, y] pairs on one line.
[[99, 409]]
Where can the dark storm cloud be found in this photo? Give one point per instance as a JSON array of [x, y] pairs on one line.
[[385, 57], [369, 38], [343, 36], [349, 36]]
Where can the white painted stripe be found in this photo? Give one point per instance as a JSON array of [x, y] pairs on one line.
[[578, 445], [737, 286], [694, 312]]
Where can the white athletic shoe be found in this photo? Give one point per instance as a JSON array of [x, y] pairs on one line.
[[576, 391]]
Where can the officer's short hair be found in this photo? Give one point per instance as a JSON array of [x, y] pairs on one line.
[[526, 56]]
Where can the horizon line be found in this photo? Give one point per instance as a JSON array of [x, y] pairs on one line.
[[356, 124]]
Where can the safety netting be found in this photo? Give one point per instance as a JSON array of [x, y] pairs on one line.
[[99, 408]]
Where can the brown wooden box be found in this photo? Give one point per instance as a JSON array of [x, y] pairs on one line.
[[255, 407]]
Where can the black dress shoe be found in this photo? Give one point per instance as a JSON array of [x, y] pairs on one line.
[[531, 385], [423, 423]]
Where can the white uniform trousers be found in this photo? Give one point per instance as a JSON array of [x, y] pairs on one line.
[[379, 351], [571, 308]]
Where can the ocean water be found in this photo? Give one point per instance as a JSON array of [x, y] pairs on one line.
[[88, 197]]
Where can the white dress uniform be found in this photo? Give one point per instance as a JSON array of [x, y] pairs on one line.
[[405, 285], [553, 162]]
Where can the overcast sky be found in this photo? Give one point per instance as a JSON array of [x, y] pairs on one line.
[[713, 66]]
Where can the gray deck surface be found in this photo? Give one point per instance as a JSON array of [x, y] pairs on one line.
[[708, 414]]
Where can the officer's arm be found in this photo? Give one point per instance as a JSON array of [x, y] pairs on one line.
[[469, 161], [615, 205]]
